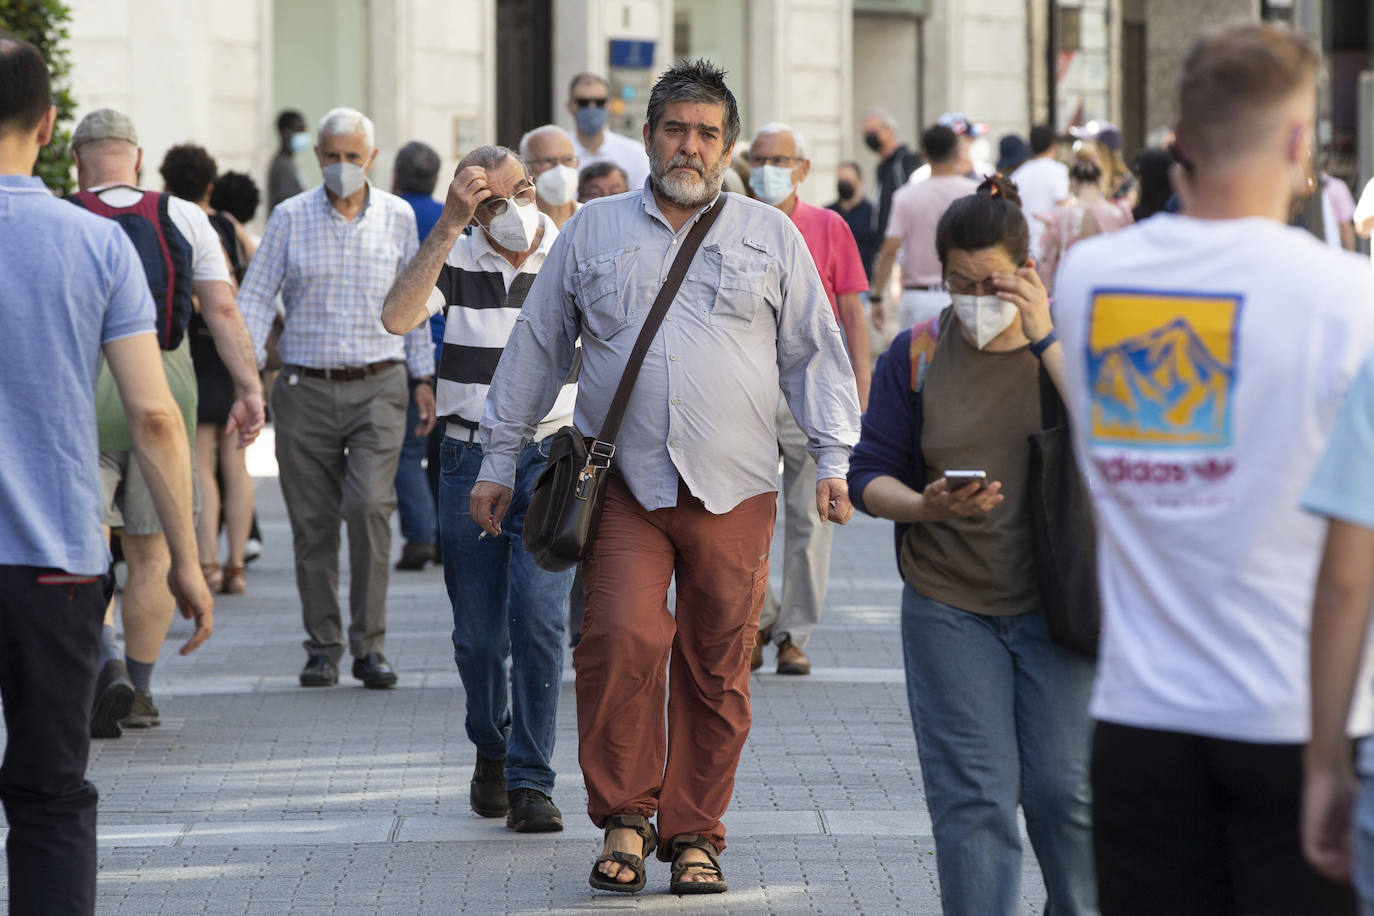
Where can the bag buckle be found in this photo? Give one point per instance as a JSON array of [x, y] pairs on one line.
[[599, 455]]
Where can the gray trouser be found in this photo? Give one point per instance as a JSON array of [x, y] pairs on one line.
[[338, 444], [806, 542]]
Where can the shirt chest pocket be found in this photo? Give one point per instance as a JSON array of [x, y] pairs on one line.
[[740, 277], [601, 293]]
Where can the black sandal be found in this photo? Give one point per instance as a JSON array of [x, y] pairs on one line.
[[635, 863], [678, 885]]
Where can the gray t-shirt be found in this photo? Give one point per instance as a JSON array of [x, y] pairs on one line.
[[283, 180]]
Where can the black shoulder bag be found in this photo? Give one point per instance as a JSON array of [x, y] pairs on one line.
[[1062, 529], [565, 506]]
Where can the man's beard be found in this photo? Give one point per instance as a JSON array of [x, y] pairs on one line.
[[685, 191]]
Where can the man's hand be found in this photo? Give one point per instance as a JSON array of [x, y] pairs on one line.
[[488, 504], [424, 406], [939, 504], [1328, 814], [192, 595], [1025, 290], [467, 190], [832, 501], [246, 417]]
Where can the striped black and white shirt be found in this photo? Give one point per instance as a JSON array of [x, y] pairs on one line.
[[481, 294]]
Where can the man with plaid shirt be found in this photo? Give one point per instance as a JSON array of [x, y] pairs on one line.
[[340, 401]]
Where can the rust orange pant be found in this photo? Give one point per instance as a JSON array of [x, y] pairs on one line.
[[632, 764]]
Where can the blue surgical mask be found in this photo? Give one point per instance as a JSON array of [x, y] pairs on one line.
[[771, 184], [590, 120], [300, 141]]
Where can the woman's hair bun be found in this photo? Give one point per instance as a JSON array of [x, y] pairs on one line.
[[999, 185]]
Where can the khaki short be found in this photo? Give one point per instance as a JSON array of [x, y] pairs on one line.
[[126, 502]]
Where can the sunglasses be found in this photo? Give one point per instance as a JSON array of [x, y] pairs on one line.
[[583, 103]]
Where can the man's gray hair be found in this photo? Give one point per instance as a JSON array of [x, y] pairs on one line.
[[694, 81], [778, 127], [539, 132], [416, 170], [348, 122], [491, 157], [882, 114]]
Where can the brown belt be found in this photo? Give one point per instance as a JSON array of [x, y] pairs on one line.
[[347, 374]]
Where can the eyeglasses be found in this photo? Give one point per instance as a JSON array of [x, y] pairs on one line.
[[783, 161], [583, 103], [549, 162], [958, 286], [493, 207]]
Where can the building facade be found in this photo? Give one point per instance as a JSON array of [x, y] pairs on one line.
[[459, 73]]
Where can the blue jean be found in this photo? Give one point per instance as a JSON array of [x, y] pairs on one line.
[[1001, 718], [414, 501], [504, 606]]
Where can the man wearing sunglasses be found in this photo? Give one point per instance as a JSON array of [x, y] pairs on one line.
[[588, 96], [504, 606]]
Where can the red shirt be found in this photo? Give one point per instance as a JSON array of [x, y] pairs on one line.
[[833, 249]]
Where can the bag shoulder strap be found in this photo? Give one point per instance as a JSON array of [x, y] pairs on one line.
[[924, 337], [604, 447], [1052, 412]]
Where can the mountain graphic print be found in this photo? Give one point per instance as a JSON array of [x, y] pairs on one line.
[[1161, 369]]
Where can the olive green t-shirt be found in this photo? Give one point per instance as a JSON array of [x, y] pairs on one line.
[[109, 409], [979, 408]]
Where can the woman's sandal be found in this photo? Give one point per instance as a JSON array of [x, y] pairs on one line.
[[235, 581], [639, 825], [679, 883], [214, 576]]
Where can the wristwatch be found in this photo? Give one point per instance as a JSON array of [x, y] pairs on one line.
[[427, 380]]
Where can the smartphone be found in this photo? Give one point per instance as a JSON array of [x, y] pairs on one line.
[[958, 480]]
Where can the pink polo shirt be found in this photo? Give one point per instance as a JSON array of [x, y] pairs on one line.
[[916, 212], [833, 249]]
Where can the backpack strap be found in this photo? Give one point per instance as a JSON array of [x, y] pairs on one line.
[[924, 337]]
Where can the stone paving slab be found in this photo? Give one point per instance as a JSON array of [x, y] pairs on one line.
[[258, 797]]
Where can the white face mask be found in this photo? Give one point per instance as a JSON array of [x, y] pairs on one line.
[[557, 186], [984, 317], [343, 178], [514, 229]]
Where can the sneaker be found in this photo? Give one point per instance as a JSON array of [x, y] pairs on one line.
[[791, 659], [143, 714], [531, 811], [251, 550], [114, 696], [488, 789]]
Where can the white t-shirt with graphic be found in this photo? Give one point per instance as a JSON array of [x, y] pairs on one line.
[[1206, 361]]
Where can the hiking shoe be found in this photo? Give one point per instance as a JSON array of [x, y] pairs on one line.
[[143, 714], [531, 811], [756, 660], [791, 659], [114, 696], [488, 788]]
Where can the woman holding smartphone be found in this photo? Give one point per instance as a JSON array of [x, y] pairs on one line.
[[1000, 711]]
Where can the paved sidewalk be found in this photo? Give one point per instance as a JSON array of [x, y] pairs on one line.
[[258, 797]]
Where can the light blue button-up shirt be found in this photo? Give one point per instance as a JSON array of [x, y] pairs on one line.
[[751, 317]]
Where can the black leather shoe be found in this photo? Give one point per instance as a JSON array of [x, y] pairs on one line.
[[531, 811], [374, 671], [114, 695], [319, 671], [415, 555], [488, 791]]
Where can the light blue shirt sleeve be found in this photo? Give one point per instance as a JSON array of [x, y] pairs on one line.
[[267, 270], [1343, 485]]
